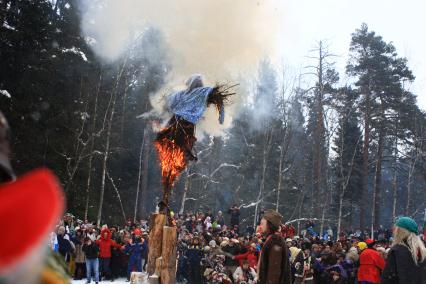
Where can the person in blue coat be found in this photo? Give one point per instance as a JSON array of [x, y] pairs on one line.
[[135, 249]]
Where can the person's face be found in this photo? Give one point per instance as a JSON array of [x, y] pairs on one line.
[[264, 225], [245, 266], [105, 235], [89, 242]]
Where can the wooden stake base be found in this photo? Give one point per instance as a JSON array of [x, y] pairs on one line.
[[162, 251]]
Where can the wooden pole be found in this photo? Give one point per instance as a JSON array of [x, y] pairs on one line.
[[155, 240], [168, 255]]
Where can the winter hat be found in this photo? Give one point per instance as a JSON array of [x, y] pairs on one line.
[[32, 191], [408, 224], [370, 242], [362, 245], [137, 232], [212, 243], [273, 216]]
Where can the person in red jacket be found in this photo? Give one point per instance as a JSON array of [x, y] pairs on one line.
[[105, 244], [371, 264], [251, 256]]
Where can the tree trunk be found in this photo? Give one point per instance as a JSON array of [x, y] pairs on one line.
[[107, 145], [375, 216], [365, 163], [185, 191], [280, 170], [105, 160], [92, 143], [409, 181], [395, 181], [145, 165], [266, 147], [139, 179], [339, 217]]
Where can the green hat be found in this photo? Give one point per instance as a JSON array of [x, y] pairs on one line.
[[408, 224]]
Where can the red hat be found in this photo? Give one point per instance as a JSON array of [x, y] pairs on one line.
[[137, 232], [369, 242], [34, 200]]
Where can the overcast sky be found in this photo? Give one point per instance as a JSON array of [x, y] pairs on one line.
[[402, 22]]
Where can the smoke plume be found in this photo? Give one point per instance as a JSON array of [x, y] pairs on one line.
[[220, 39]]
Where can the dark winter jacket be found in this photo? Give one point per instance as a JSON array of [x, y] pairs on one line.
[[274, 265], [64, 246], [91, 251], [299, 264], [235, 216], [401, 269], [194, 254], [234, 250]]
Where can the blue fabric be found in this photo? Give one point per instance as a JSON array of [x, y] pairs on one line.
[[191, 104], [92, 265]]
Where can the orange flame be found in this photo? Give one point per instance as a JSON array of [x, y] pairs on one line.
[[172, 160]]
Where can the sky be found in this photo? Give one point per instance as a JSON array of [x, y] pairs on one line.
[[401, 22]]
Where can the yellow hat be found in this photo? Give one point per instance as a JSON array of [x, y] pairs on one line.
[[362, 245]]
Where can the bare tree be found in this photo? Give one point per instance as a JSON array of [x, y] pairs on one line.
[[113, 100]]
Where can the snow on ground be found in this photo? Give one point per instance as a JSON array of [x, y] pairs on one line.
[[116, 281]]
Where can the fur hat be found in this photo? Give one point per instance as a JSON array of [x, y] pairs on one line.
[[273, 216]]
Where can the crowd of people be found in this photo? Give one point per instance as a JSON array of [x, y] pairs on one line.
[[101, 253], [210, 251]]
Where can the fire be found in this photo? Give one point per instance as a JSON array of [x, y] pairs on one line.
[[172, 160]]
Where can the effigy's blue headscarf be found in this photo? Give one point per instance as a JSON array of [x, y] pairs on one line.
[[191, 103]]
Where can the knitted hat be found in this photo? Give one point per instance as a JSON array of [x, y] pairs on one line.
[[408, 224], [362, 245], [273, 216]]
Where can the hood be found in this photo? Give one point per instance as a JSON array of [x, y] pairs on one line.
[[106, 231]]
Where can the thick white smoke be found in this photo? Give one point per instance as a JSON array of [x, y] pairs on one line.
[[221, 39]]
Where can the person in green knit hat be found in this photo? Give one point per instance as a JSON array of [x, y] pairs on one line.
[[406, 261]]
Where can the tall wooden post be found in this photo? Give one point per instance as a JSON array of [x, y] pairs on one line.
[[162, 251]]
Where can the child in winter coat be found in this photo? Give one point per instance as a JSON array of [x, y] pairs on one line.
[[135, 249]]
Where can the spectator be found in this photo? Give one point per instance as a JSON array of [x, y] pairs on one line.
[[370, 264], [91, 251], [406, 261], [105, 245]]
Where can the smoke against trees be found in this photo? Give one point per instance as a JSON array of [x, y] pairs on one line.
[[318, 148]]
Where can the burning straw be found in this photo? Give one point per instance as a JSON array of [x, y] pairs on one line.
[[175, 142]]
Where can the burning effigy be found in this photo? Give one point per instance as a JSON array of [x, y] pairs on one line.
[[175, 142]]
